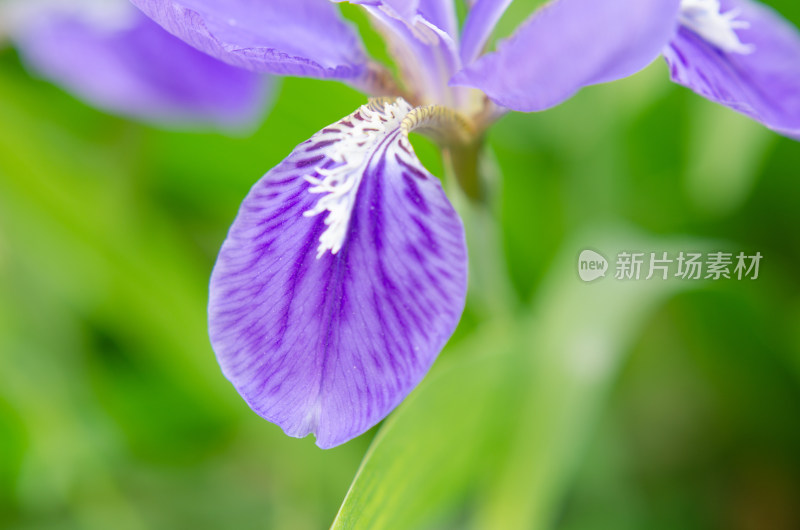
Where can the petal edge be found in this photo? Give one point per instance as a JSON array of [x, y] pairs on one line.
[[763, 84], [570, 44], [285, 37]]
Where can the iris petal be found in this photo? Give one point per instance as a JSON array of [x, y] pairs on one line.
[[440, 13], [478, 27], [288, 37], [569, 44], [763, 84], [328, 338], [134, 68], [426, 53]]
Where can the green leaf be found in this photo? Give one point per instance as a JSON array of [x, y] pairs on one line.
[[427, 451], [579, 336]]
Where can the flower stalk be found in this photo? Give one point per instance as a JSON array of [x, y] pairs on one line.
[[489, 286]]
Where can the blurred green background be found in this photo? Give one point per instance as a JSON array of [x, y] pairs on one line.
[[564, 405]]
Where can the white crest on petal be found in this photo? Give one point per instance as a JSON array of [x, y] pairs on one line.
[[705, 18], [350, 144]]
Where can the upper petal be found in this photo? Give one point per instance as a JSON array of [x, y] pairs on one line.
[[481, 20], [342, 277], [763, 84], [569, 44], [426, 53], [406, 9], [440, 13], [131, 66], [289, 37]]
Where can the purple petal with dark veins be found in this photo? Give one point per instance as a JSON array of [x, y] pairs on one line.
[[135, 68], [763, 84], [569, 44], [288, 37], [326, 335]]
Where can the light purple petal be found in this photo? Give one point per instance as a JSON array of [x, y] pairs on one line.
[[325, 342], [287, 37], [481, 20], [569, 44], [404, 8], [442, 14], [763, 84], [137, 69], [427, 54]]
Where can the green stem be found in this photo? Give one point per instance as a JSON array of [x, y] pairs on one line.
[[473, 179]]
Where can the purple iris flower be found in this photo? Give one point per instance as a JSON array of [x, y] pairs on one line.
[[740, 54], [345, 271], [107, 53]]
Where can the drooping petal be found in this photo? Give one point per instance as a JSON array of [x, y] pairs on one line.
[[762, 82], [130, 66], [569, 44], [287, 37], [341, 278], [481, 20]]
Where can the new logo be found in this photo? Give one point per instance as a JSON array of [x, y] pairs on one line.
[[591, 266]]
